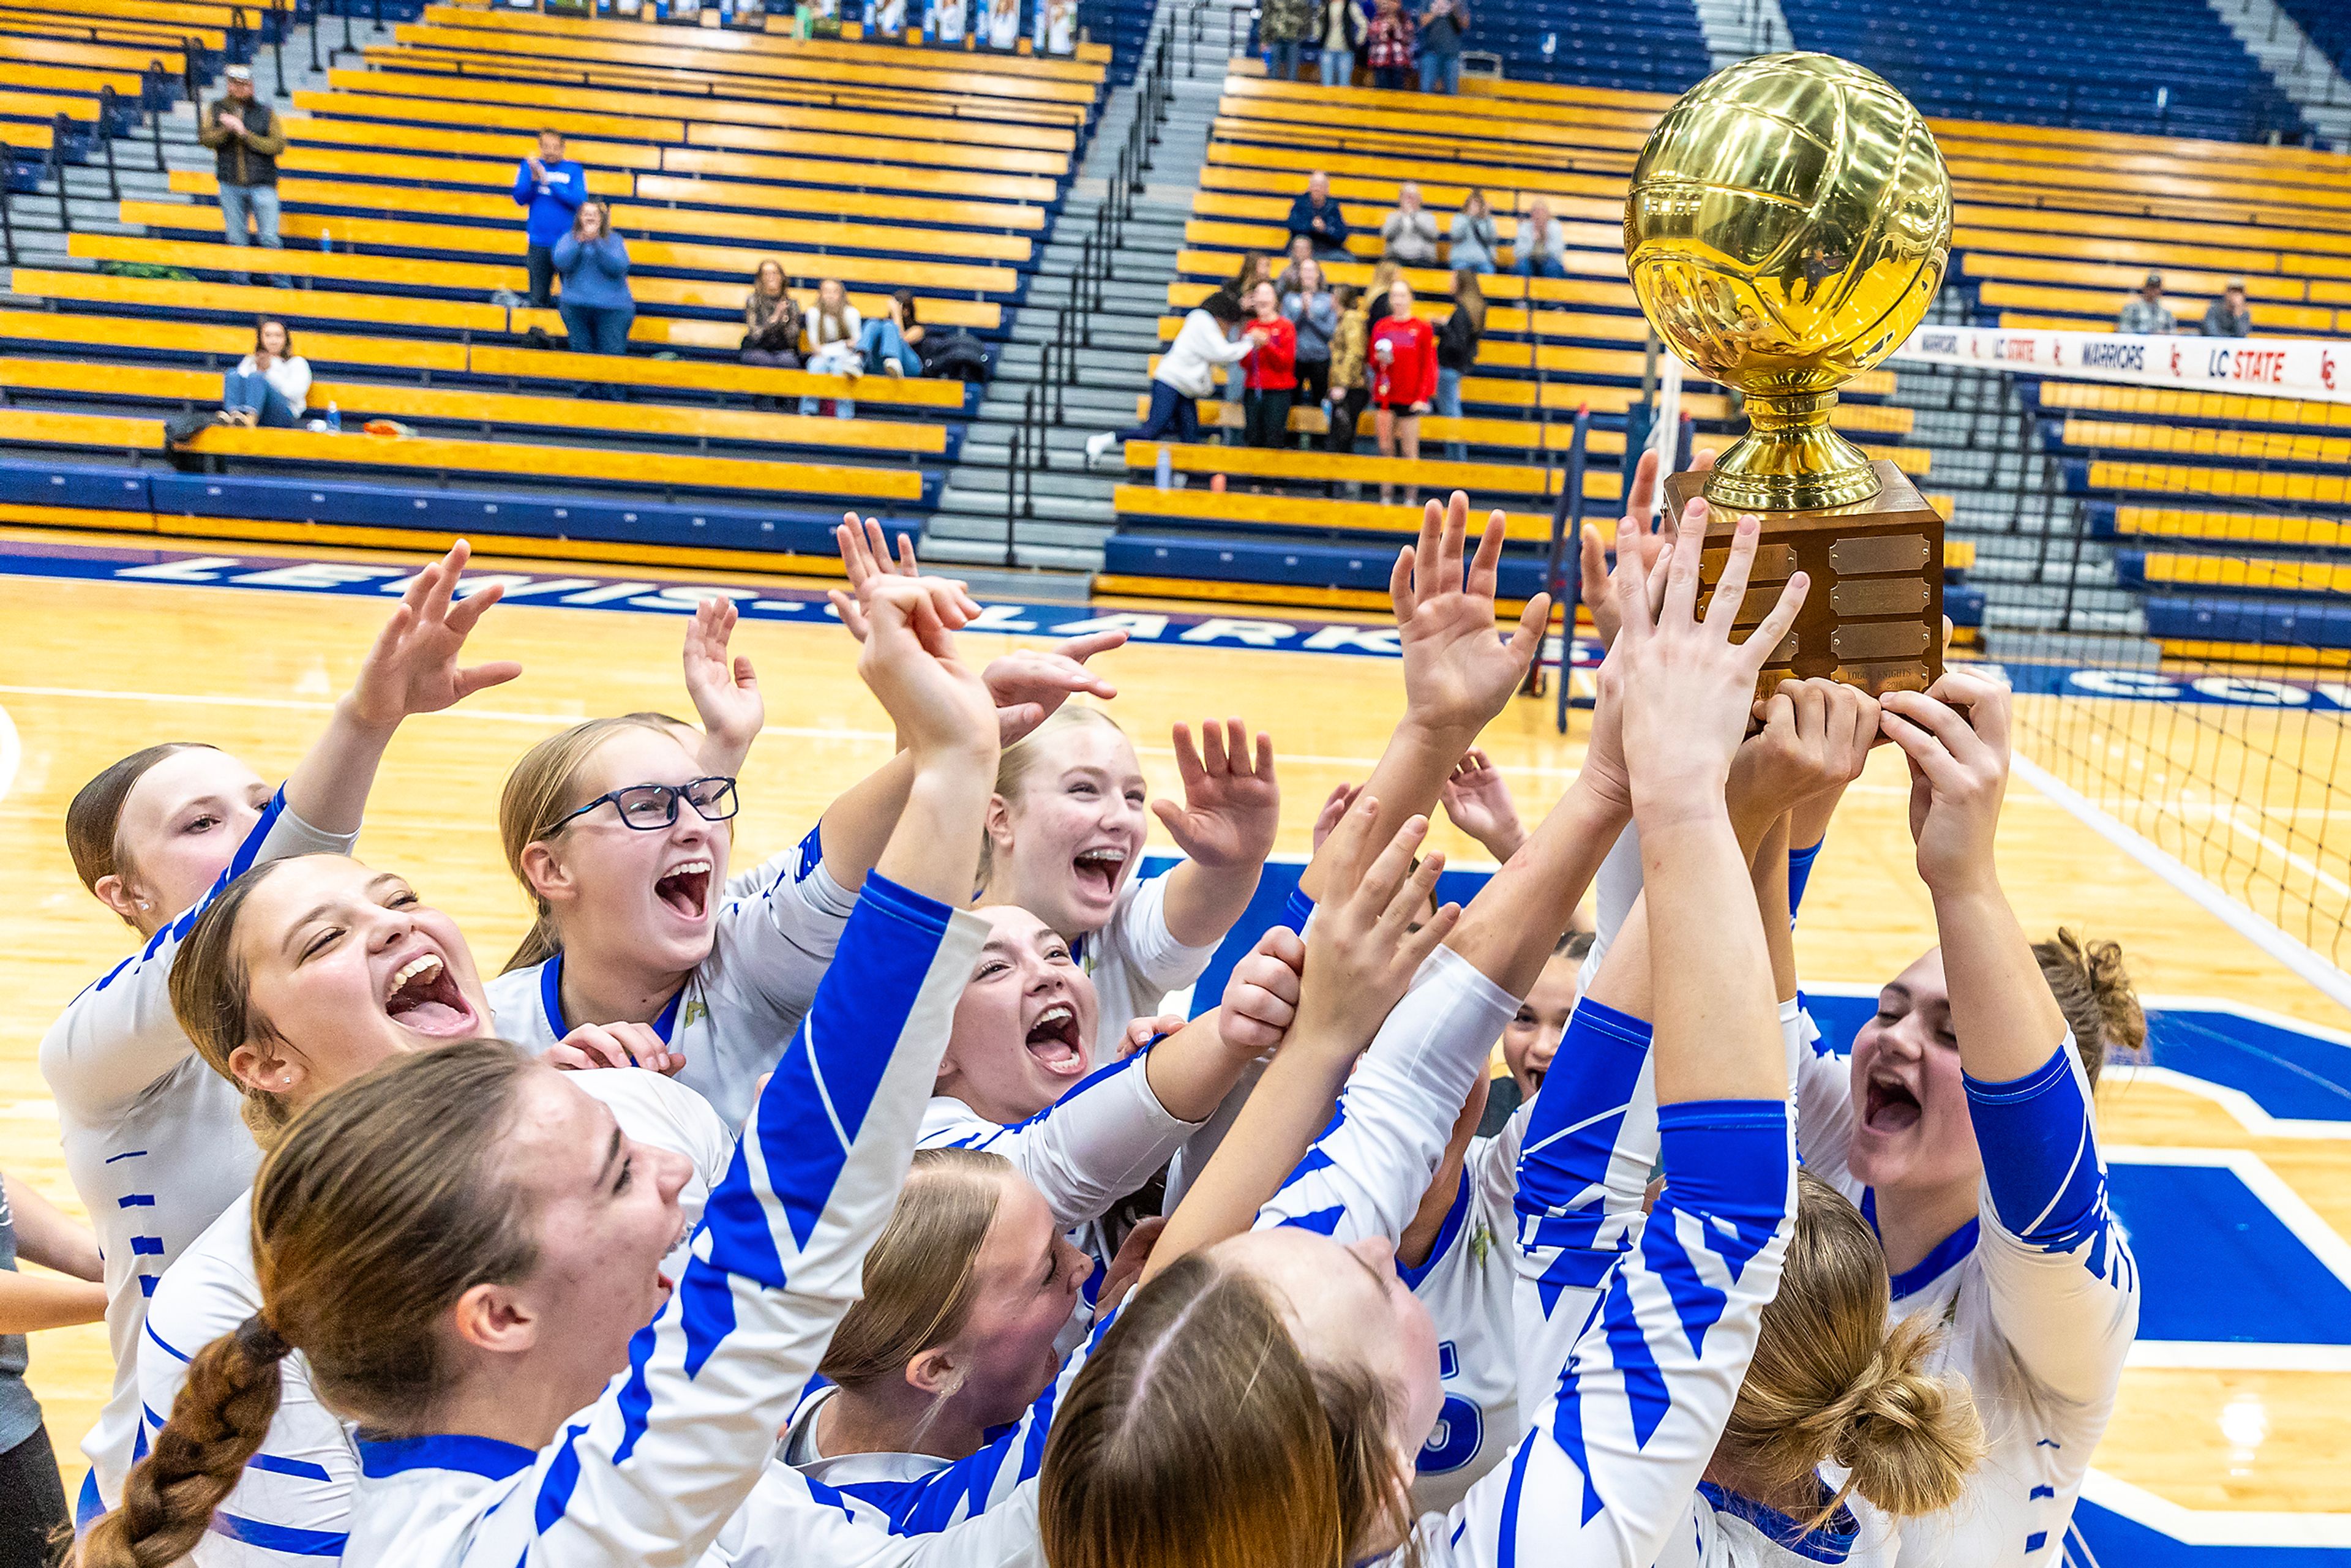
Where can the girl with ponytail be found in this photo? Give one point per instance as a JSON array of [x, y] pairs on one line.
[[301, 975], [466, 1249], [151, 1136], [620, 832]]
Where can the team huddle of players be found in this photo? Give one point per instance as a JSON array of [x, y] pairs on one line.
[[788, 1216]]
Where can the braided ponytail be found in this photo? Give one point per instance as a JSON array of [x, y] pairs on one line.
[[1831, 1381], [218, 1422]]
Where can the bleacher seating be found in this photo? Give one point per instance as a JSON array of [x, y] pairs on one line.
[[2165, 67], [2327, 24], [933, 171]]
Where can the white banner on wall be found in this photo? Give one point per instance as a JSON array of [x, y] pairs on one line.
[[2316, 368]]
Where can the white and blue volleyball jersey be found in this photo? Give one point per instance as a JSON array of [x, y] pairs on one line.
[[649, 1474], [154, 1140], [293, 1503], [772, 938], [2039, 1292], [1367, 1173], [1608, 1474]]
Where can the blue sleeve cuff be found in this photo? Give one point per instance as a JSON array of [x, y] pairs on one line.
[[903, 902], [1296, 911], [2015, 1091], [1800, 871], [1725, 1155]]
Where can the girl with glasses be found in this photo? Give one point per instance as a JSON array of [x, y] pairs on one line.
[[621, 831], [153, 1140]]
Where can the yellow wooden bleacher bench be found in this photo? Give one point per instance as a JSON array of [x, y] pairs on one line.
[[427, 356], [1379, 192], [165, 22], [2234, 528], [1198, 504], [461, 405], [69, 79], [431, 453], [553, 28], [2251, 484], [1307, 467], [2266, 574], [2203, 440], [2101, 305], [910, 121], [677, 55], [318, 304], [2121, 281], [927, 277], [39, 106], [2180, 404]]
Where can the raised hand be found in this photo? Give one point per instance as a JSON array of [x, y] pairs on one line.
[[939, 703], [413, 668], [595, 1046], [726, 690], [1685, 687], [1477, 799], [1640, 510], [1335, 807], [1457, 674], [865, 554], [1232, 806], [1029, 684], [1815, 738], [1362, 950], [1955, 734]]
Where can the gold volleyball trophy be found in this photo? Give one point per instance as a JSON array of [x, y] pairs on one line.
[[1789, 222]]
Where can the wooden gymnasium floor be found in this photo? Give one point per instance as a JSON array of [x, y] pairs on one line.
[[2230, 1445]]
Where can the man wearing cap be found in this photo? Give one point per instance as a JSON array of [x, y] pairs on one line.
[[2145, 314], [2227, 317], [246, 138]]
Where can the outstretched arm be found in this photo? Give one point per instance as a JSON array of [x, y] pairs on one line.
[[1457, 674], [1225, 826]]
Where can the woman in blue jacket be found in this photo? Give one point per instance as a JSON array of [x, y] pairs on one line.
[[594, 262]]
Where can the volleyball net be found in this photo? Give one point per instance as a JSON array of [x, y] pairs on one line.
[[2162, 528]]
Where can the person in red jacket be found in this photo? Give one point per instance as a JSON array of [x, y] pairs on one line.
[[1404, 381], [1272, 369]]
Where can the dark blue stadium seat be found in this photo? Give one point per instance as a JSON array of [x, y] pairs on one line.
[[2157, 68], [2283, 622], [1297, 563]]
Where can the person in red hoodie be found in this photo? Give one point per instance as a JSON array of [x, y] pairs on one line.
[[1404, 381], [1272, 369]]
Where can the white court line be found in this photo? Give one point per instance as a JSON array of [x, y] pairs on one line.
[[2228, 816], [2325, 977], [2246, 1110], [2332, 1251], [2235, 1356], [2214, 1527]]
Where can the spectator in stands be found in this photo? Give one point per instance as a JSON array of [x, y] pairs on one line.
[[1253, 270], [1442, 27], [246, 137], [1273, 381], [1475, 242], [888, 339], [1392, 47], [2144, 313], [2228, 315], [1312, 310], [1542, 248], [1187, 374], [1457, 350], [1384, 277], [1347, 391], [771, 321], [1403, 379], [834, 332], [1301, 251], [593, 261], [552, 187], [1281, 27], [1339, 30], [1314, 215], [271, 385], [1410, 234]]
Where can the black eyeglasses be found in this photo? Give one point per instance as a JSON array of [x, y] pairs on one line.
[[649, 808]]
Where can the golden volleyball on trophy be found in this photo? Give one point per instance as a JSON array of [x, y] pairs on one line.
[[1789, 223]]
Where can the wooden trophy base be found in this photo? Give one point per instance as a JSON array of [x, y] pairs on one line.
[[1874, 615]]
